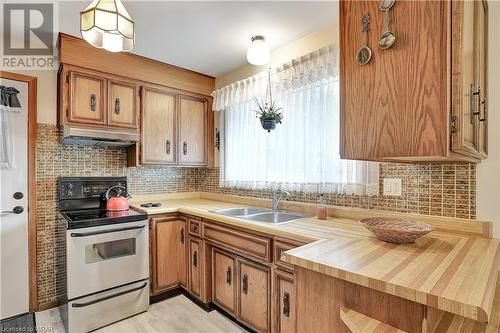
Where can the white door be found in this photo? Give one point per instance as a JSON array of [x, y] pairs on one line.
[[14, 292]]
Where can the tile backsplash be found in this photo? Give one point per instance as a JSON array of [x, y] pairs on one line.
[[430, 189]]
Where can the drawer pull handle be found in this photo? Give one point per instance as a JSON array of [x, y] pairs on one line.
[[93, 102], [106, 231], [194, 228], [185, 148], [81, 305], [228, 275], [195, 259], [168, 147], [182, 235], [117, 105], [244, 287], [286, 304]]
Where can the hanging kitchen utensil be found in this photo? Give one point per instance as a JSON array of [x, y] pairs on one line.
[[364, 53], [388, 37]]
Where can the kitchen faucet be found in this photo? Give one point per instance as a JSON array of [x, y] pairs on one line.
[[277, 196]]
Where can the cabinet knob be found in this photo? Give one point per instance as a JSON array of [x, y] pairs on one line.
[[117, 105], [286, 304], [228, 275], [244, 284], [93, 102]]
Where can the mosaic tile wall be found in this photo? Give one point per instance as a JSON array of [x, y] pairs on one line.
[[431, 189], [428, 189]]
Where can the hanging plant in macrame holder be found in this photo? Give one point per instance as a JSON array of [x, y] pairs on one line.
[[268, 112]]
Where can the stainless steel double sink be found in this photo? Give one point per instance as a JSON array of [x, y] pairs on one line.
[[256, 214]]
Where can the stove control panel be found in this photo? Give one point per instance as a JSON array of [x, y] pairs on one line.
[[87, 187]]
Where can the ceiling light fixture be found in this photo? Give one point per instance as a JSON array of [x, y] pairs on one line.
[[106, 24], [258, 52]]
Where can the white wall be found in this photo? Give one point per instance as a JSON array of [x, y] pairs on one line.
[[488, 171]]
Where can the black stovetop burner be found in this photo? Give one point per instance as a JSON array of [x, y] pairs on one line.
[[96, 217]]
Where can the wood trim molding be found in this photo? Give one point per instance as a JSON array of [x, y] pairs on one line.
[[32, 230]]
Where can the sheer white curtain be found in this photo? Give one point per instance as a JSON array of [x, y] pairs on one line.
[[302, 153]]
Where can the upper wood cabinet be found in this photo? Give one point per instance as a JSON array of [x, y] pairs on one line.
[[192, 130], [158, 110], [92, 99], [87, 99], [123, 109], [412, 102]]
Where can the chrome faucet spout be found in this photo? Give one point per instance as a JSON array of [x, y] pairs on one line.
[[277, 197]]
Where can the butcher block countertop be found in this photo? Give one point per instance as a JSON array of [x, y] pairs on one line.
[[450, 271]]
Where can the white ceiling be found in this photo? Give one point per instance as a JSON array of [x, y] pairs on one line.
[[211, 37]]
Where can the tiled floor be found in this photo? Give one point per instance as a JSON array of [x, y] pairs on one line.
[[177, 314]]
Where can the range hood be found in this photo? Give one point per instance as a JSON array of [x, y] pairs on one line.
[[98, 137]]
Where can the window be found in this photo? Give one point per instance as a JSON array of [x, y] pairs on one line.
[[302, 153]]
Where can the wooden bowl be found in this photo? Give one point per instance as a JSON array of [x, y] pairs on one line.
[[396, 230]]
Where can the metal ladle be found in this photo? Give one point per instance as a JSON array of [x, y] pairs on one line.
[[388, 37]]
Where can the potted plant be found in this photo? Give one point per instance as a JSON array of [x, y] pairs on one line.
[[268, 113]]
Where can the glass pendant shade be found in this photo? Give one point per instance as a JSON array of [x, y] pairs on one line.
[[106, 24], [258, 52]]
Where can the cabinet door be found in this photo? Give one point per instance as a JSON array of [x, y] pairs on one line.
[[158, 127], [283, 302], [223, 281], [123, 104], [254, 287], [195, 266], [87, 99], [482, 75], [182, 252], [167, 245], [192, 130]]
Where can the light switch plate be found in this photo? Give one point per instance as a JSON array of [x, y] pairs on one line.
[[392, 186]]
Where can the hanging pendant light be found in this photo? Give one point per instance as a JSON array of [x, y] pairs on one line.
[[106, 24], [258, 52]]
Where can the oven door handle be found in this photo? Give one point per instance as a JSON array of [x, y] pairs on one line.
[[81, 305], [99, 232]]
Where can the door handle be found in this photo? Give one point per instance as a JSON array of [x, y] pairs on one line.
[[185, 148], [93, 102], [15, 210], [81, 305], [286, 304], [228, 275], [182, 235], [107, 231], [117, 105], [168, 147], [195, 259], [244, 287]]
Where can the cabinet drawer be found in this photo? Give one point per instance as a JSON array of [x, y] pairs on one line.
[[195, 227], [278, 249], [242, 242]]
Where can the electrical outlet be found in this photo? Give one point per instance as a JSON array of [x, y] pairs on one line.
[[392, 186]]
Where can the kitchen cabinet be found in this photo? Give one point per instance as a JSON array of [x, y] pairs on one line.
[[413, 102], [168, 241], [469, 77], [223, 281], [192, 130], [195, 270], [283, 298], [123, 107], [158, 126], [254, 295], [87, 99]]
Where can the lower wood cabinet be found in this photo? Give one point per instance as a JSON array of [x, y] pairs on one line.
[[195, 266], [169, 253], [283, 302], [223, 280], [254, 295]]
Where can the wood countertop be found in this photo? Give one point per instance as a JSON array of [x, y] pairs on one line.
[[447, 271]]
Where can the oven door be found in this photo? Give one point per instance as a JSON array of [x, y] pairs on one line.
[[104, 257]]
